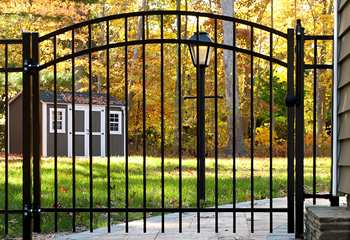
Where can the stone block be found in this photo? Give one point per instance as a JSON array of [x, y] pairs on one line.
[[323, 222]]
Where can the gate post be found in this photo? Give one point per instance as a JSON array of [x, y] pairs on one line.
[[290, 134], [299, 132], [36, 133], [27, 138]]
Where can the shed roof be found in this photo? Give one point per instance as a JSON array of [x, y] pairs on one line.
[[80, 98]]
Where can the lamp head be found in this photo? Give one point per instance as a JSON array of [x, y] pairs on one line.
[[204, 52]]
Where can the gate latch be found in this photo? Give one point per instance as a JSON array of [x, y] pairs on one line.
[[29, 67], [31, 208], [291, 100]]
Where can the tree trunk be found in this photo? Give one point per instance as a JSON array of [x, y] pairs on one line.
[[321, 87], [177, 95], [246, 92], [131, 93], [98, 84], [230, 76]]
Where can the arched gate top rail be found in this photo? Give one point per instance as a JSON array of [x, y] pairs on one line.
[[163, 12], [162, 40]]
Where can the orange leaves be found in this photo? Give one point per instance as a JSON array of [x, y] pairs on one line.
[[283, 190], [64, 190], [131, 199], [59, 205], [260, 197], [173, 201]]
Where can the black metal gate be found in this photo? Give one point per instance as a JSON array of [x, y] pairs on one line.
[[68, 50]]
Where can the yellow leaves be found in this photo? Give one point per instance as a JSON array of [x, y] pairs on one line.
[[41, 15], [263, 135]]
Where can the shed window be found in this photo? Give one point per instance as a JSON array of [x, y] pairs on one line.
[[115, 122], [61, 120]]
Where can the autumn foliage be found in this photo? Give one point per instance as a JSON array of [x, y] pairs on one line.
[[46, 16]]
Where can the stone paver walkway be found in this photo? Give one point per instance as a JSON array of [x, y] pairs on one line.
[[207, 225]]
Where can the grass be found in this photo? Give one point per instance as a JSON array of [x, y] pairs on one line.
[[154, 187]]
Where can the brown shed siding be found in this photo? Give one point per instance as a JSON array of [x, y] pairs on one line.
[[15, 126], [343, 81]]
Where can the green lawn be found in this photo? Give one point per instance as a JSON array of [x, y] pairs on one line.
[[154, 186]]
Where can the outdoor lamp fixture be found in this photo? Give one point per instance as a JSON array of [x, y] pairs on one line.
[[204, 51], [200, 55]]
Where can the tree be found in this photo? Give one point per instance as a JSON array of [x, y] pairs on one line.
[[231, 104], [47, 15]]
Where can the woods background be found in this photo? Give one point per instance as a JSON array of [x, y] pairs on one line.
[[316, 16]]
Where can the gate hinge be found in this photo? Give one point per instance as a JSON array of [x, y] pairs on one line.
[[29, 66], [31, 208]]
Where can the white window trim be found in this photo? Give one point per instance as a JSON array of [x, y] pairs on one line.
[[120, 113], [63, 110]]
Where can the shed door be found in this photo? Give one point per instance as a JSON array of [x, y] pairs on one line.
[[82, 132], [98, 126]]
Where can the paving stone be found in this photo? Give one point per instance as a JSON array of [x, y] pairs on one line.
[[207, 225], [231, 234], [145, 236], [110, 236]]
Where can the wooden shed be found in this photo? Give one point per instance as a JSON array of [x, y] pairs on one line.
[[100, 118]]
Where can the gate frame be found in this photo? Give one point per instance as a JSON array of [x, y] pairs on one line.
[[31, 129], [35, 68], [27, 137]]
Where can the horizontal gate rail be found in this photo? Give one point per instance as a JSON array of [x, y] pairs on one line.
[[9, 70], [148, 209], [7, 42], [161, 41]]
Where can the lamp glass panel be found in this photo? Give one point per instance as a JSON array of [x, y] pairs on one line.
[[193, 51], [203, 50], [202, 54], [209, 55]]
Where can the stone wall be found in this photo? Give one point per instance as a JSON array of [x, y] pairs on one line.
[[324, 222]]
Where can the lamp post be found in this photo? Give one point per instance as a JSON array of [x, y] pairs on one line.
[[200, 55]]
